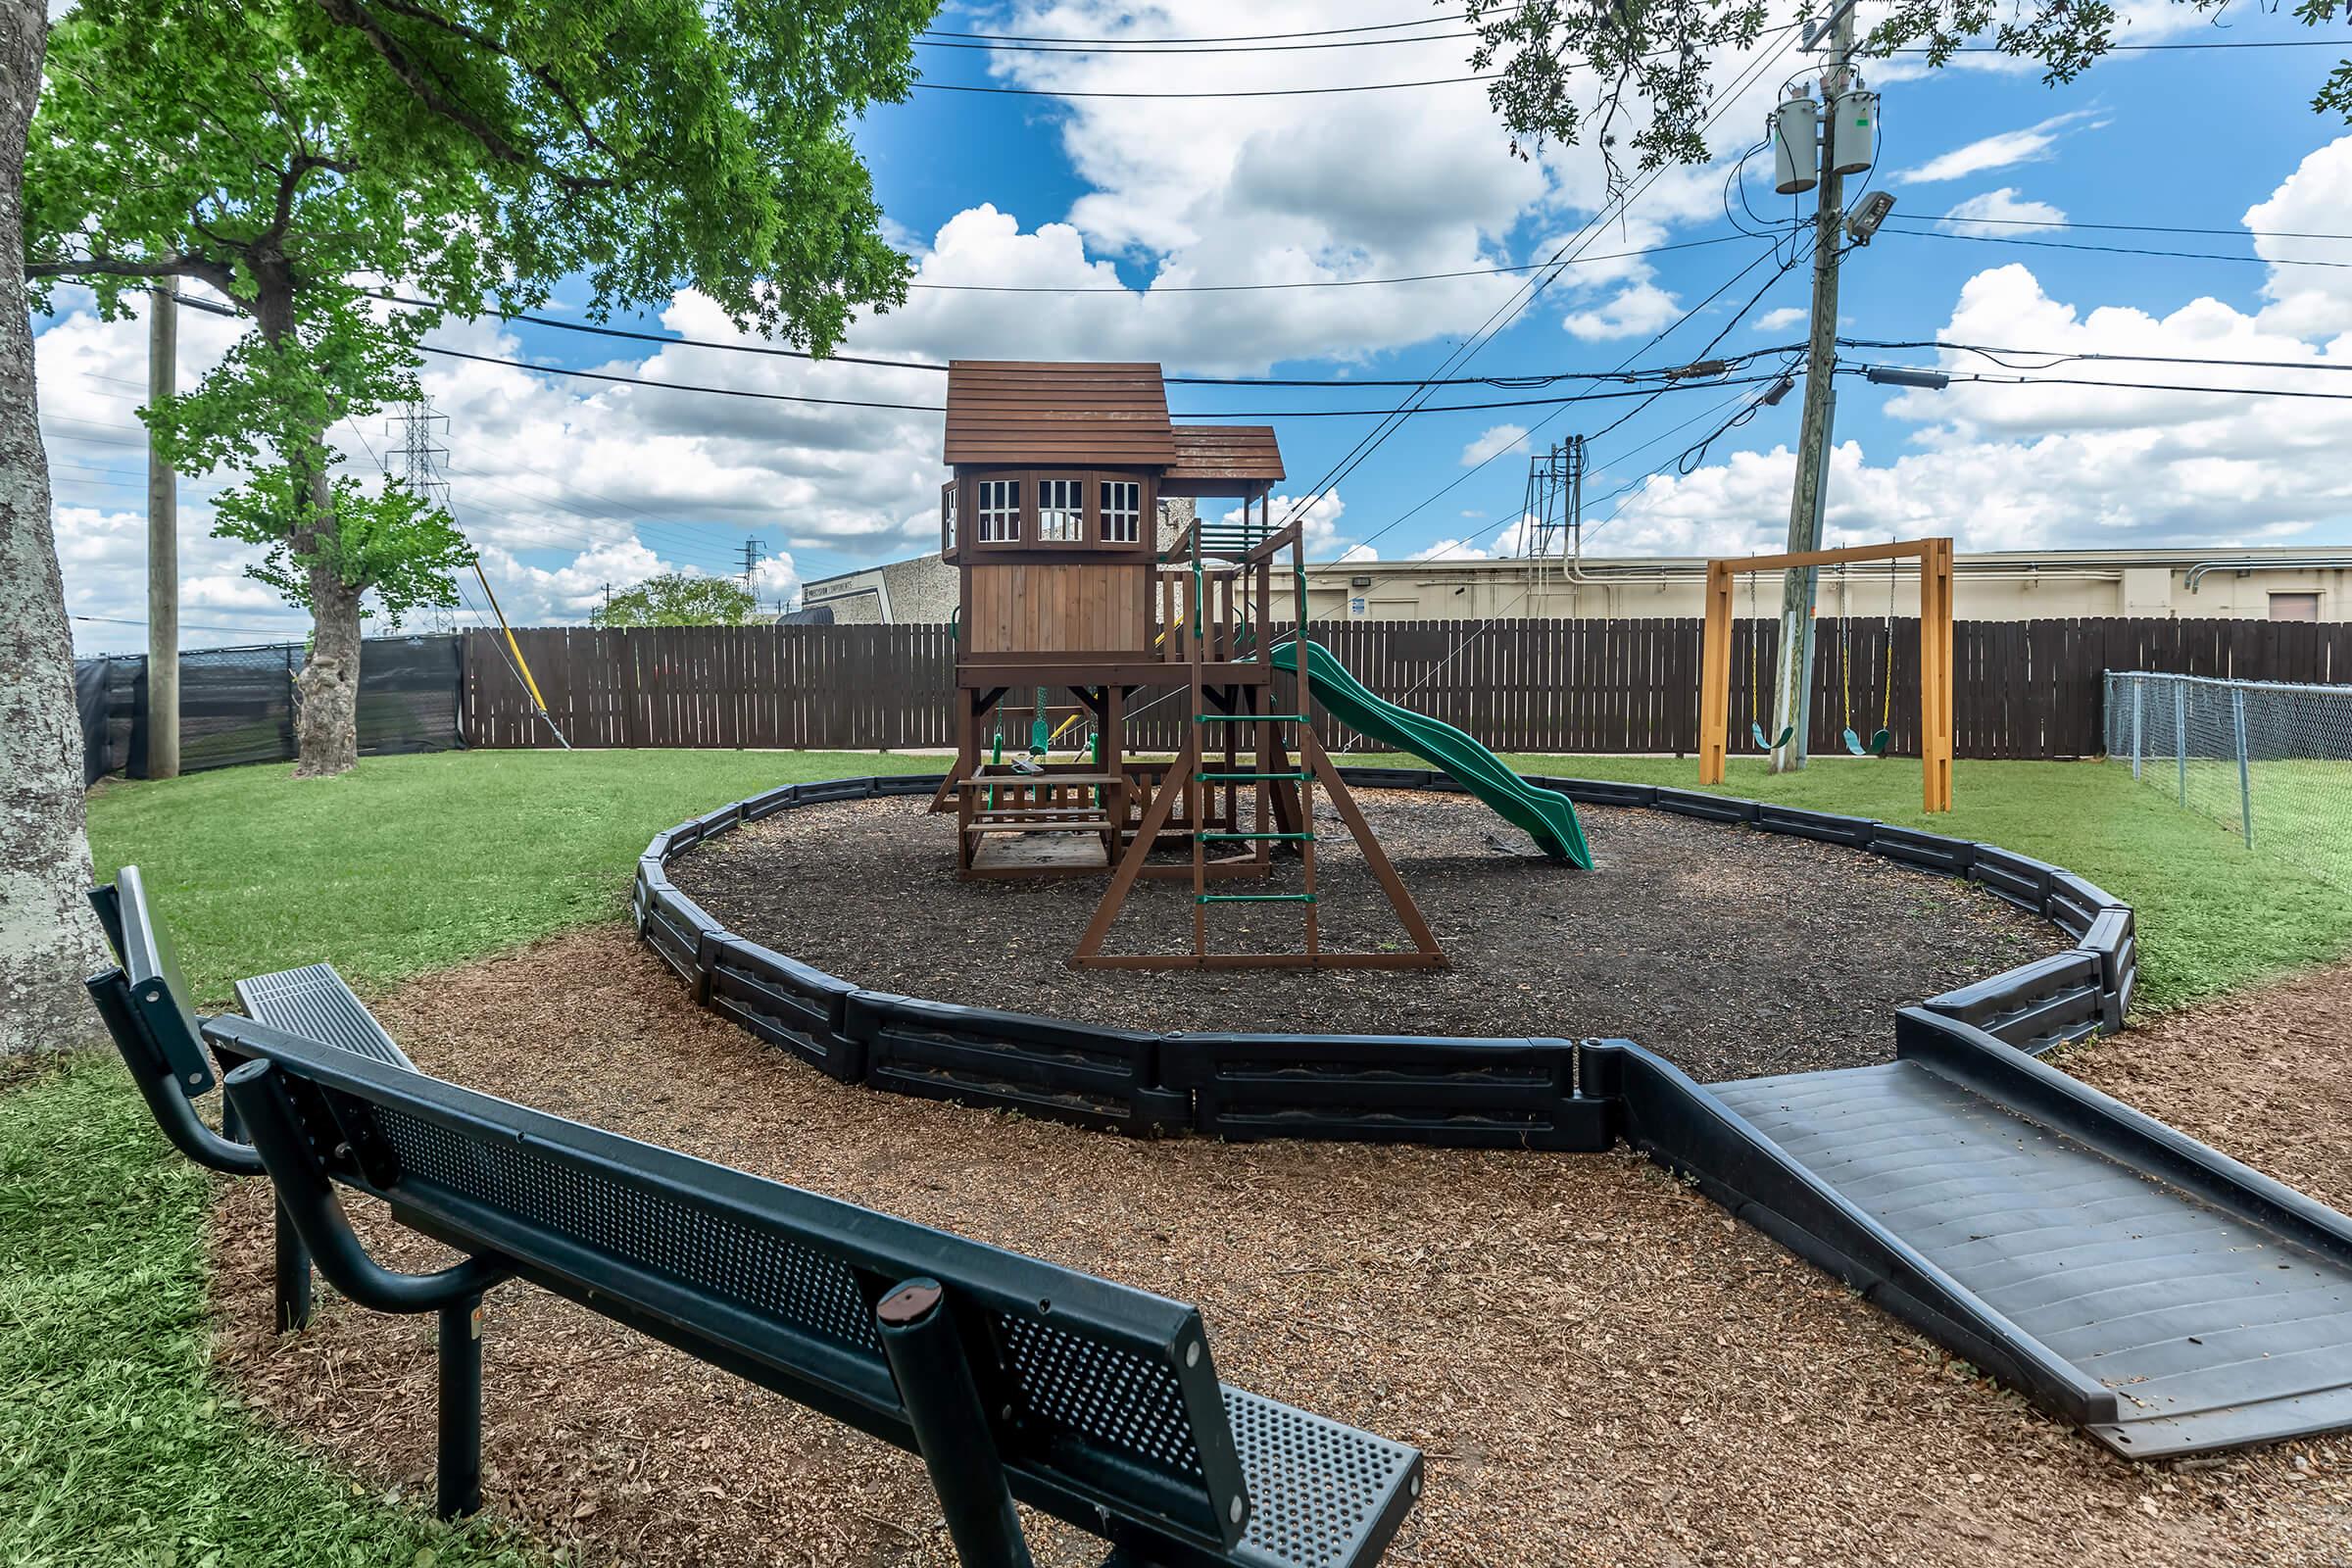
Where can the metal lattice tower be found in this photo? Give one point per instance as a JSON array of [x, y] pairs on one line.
[[419, 458], [1556, 500]]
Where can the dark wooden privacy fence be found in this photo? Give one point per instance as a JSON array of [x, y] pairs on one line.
[[2024, 688]]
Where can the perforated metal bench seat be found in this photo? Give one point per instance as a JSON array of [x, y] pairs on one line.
[[1011, 1376], [315, 1003]]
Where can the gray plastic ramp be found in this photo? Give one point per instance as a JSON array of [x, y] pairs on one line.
[[2165, 1296]]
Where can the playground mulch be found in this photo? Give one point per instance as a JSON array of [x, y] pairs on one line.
[[1733, 952], [1603, 1367]]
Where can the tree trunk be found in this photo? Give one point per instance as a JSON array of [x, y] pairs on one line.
[[327, 731], [48, 937], [326, 727]]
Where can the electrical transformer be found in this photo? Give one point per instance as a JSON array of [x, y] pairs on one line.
[[1795, 146], [1854, 130]]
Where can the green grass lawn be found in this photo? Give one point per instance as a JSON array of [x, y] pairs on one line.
[[409, 863], [116, 1445]]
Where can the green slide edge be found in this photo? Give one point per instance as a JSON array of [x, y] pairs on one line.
[[1548, 817]]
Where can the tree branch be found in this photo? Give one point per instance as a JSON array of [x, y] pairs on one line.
[[353, 15], [202, 268]]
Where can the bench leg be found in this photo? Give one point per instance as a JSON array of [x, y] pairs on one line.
[[458, 1463], [293, 1263], [950, 1426]]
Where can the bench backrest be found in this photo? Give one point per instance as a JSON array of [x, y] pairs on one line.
[[1104, 1402], [157, 997]]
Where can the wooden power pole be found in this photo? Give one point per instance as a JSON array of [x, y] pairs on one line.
[[163, 547], [1792, 688]]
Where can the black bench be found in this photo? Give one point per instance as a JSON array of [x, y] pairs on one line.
[[1011, 1378], [144, 1004]]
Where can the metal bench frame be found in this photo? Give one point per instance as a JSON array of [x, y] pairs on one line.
[[1010, 1377]]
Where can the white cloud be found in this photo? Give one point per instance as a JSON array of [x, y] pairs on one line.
[[2001, 213], [2031, 144], [1642, 308], [2103, 465], [1451, 550], [1492, 442], [2308, 301], [1781, 318]]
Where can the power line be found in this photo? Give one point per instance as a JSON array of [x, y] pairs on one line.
[[1325, 283], [185, 625], [2109, 249], [1231, 37], [937, 408], [1000, 45], [1959, 378], [2057, 357], [2134, 228], [1237, 92]]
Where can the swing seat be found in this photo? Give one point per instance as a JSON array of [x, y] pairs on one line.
[[1757, 730], [1880, 742], [1853, 742]]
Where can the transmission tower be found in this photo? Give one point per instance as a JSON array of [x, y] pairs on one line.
[[1555, 502], [754, 552], [420, 457]]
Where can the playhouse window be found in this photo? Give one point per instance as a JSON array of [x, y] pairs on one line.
[[1061, 510], [946, 517], [1000, 509], [1122, 510]]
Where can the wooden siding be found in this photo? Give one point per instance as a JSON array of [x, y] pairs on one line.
[[1222, 454], [2021, 688], [1014, 412], [1045, 607]]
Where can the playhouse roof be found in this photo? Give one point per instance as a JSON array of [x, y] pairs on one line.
[[1210, 454], [1026, 411]]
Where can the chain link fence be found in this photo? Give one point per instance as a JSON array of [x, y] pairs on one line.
[[2271, 761]]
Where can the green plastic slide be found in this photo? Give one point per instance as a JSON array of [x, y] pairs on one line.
[[1548, 816]]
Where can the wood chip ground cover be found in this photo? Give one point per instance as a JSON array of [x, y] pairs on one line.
[[1602, 1366], [1734, 953]]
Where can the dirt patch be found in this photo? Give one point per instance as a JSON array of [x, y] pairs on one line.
[[1730, 951], [1603, 1367]]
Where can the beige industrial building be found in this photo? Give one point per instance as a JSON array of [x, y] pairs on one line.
[[2285, 583]]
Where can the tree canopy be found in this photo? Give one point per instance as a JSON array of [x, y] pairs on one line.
[[295, 155], [1632, 76], [679, 598]]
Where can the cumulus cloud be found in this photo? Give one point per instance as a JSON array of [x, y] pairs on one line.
[[1642, 308], [1493, 442], [2103, 465], [1997, 214], [1781, 318]]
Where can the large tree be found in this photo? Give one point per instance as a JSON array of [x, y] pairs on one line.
[[48, 938], [679, 598], [292, 153], [1631, 77]]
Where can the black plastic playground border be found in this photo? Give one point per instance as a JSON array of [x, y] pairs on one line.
[[1443, 1090]]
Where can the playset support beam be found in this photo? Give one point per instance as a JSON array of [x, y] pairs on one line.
[[1935, 717]]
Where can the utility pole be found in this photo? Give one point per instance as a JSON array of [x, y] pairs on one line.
[[1792, 687], [163, 547]]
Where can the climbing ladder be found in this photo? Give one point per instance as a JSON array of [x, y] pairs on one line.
[[1271, 759]]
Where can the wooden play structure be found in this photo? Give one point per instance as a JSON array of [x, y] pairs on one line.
[[1051, 523], [1934, 556]]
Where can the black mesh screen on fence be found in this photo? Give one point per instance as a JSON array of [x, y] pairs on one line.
[[236, 705]]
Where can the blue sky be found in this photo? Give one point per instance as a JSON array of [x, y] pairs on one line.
[[569, 486]]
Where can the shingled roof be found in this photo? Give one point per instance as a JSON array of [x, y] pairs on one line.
[[1207, 453], [1021, 410]]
